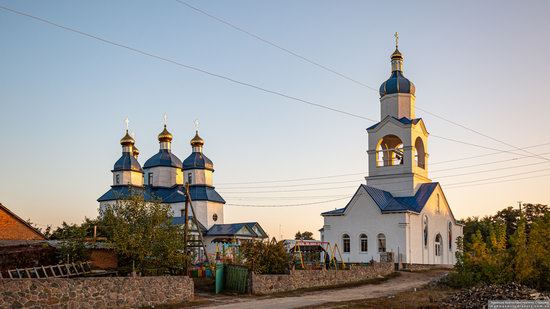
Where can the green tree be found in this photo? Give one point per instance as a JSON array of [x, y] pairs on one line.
[[269, 257], [142, 232], [539, 250], [304, 236], [521, 261]]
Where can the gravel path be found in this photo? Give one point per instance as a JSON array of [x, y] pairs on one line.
[[407, 281]]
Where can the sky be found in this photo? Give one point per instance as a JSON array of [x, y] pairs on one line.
[[64, 98]]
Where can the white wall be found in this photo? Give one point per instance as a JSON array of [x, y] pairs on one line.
[[364, 216], [164, 176]]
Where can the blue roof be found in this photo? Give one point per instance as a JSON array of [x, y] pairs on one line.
[[197, 160], [127, 163], [173, 194], [403, 120], [235, 229], [120, 192], [163, 158], [205, 193], [388, 203], [397, 83]]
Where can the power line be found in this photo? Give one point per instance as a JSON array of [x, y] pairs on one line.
[[485, 163], [289, 205], [498, 177], [253, 35], [483, 155], [495, 182], [289, 180], [197, 69], [296, 185], [274, 45]]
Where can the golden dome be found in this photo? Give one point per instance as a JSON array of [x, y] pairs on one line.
[[396, 54], [197, 140], [165, 136], [135, 151], [127, 140]]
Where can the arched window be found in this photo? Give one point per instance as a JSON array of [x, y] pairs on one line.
[[438, 205], [450, 228], [425, 233], [389, 151], [438, 245], [381, 242], [420, 153], [346, 243], [364, 243]]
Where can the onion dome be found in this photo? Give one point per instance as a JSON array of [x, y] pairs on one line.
[[135, 151], [397, 83], [127, 140], [197, 140], [165, 136]]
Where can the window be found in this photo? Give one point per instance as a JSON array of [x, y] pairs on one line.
[[438, 245], [189, 177], [381, 242], [364, 243], [150, 178], [117, 177], [450, 228], [182, 212], [425, 231], [438, 206], [215, 217], [346, 243]]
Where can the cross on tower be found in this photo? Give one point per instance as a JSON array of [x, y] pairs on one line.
[[197, 125], [396, 35], [127, 122], [165, 119]]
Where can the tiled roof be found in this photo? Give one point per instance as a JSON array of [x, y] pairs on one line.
[[127, 162], [388, 203], [163, 158]]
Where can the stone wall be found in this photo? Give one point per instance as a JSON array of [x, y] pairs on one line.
[[301, 279], [106, 292]]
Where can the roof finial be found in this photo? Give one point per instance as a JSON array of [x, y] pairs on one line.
[[197, 125], [396, 35], [165, 120], [127, 122]]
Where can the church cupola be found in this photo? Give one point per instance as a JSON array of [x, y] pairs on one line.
[[397, 94], [164, 168], [165, 139], [197, 142], [127, 170]]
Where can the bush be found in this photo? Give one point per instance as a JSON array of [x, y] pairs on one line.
[[268, 257]]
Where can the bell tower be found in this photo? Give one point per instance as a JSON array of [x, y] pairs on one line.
[[398, 144]]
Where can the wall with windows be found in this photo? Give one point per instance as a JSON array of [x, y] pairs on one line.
[[198, 176], [363, 218], [438, 219]]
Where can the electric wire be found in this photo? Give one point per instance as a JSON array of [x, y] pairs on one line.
[[253, 35], [200, 70], [288, 205]]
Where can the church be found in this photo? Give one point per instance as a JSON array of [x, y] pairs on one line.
[[399, 214], [164, 175]]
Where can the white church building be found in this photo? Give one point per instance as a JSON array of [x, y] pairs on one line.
[[163, 177], [399, 211]]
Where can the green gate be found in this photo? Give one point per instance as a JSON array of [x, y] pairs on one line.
[[236, 279]]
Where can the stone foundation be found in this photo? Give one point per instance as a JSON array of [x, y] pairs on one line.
[[107, 292], [302, 279]]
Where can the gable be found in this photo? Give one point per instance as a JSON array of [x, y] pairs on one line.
[[12, 227], [443, 202]]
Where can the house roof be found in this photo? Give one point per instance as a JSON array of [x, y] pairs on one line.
[[403, 120], [251, 229], [169, 195], [388, 203], [181, 221], [163, 158], [16, 217]]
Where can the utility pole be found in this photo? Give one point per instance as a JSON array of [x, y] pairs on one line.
[[519, 202]]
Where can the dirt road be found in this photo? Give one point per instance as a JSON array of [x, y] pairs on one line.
[[407, 281]]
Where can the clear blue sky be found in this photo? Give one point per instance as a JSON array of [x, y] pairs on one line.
[[64, 97]]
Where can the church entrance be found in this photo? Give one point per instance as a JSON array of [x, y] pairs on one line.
[[438, 249]]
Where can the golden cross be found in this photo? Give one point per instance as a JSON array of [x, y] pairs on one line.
[[396, 35]]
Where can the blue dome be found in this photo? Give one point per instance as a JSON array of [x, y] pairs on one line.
[[397, 83], [127, 163], [163, 158], [197, 160]]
